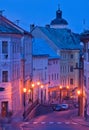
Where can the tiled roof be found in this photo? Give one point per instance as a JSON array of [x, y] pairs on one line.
[[41, 47], [63, 38], [6, 26]]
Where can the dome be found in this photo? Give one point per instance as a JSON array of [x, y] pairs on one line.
[[59, 20]]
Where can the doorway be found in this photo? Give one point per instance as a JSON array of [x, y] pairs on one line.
[[4, 108]]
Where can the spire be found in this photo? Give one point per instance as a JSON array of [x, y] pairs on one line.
[[58, 6], [58, 13]]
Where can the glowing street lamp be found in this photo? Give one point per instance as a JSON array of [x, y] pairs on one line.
[[24, 92], [38, 83], [60, 92], [79, 101], [41, 93], [79, 92], [32, 90]]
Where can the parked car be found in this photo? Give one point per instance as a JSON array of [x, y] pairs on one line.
[[64, 106], [57, 107]]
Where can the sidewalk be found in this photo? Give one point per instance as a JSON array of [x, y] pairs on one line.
[[80, 120]]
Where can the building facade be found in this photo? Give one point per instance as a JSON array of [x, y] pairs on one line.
[[46, 69], [85, 42], [66, 44], [15, 65]]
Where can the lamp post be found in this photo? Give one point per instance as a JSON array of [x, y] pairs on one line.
[[67, 90], [41, 94], [24, 103], [60, 92], [38, 83], [79, 101], [81, 84], [32, 91]]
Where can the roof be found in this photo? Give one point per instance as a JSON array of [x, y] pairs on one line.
[[62, 38], [59, 22], [41, 47], [8, 27]]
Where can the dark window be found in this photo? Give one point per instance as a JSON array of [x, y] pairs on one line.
[[71, 81], [4, 76], [71, 56], [4, 47], [88, 55], [71, 68], [52, 76]]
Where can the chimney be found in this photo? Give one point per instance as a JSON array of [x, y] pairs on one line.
[[1, 12], [47, 26], [31, 27]]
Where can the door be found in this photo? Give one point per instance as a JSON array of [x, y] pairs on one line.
[[4, 108]]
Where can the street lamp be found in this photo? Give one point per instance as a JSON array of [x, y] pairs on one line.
[[79, 99], [24, 92], [60, 92], [32, 90], [81, 84], [41, 93], [38, 83], [67, 90]]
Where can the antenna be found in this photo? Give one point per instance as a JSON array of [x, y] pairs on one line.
[[1, 12], [58, 6], [84, 23]]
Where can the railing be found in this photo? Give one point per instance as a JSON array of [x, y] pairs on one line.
[[30, 108]]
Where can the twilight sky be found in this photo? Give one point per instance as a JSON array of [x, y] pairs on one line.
[[41, 12]]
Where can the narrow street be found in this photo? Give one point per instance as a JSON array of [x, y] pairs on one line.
[[52, 120], [47, 119]]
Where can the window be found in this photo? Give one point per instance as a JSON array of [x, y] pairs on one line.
[[71, 56], [45, 75], [88, 55], [52, 76], [71, 68], [4, 47], [4, 76], [71, 81]]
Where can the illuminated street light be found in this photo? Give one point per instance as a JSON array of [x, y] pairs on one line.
[[79, 92], [60, 92], [79, 101], [32, 90], [38, 83], [41, 93], [24, 92]]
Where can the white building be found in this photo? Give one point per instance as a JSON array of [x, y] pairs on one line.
[[46, 69], [15, 65]]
